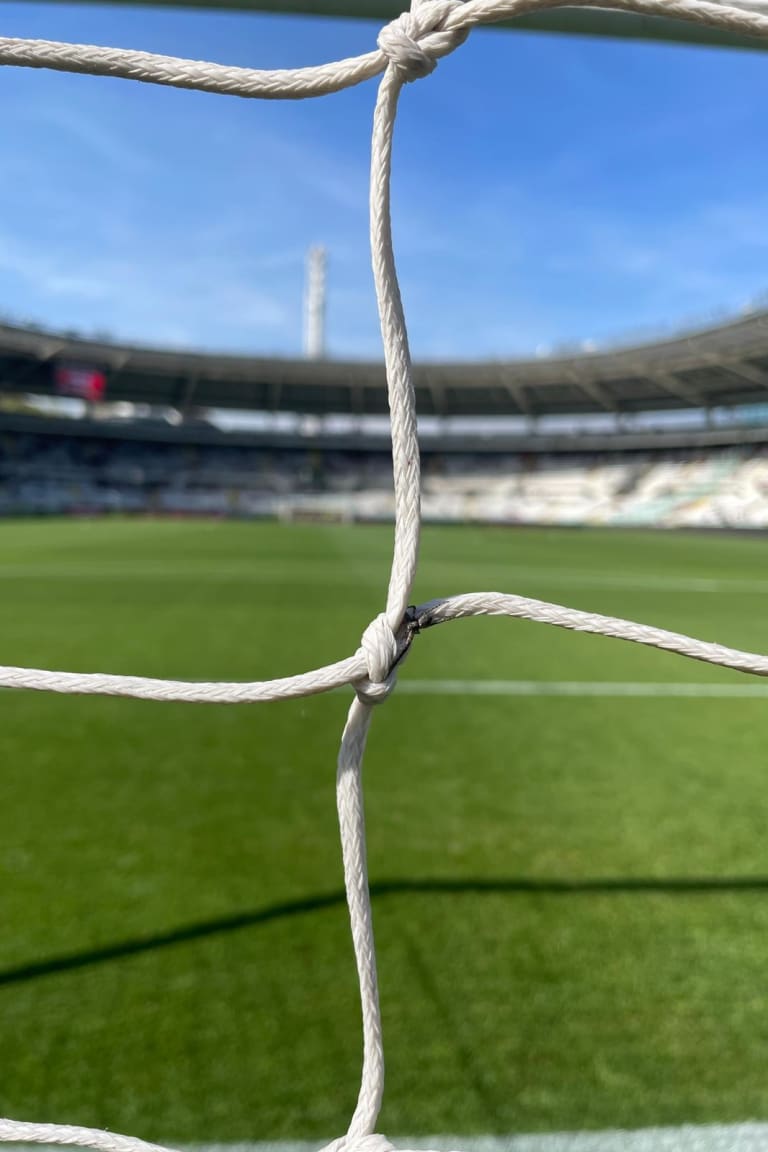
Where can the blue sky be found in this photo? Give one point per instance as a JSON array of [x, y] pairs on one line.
[[547, 190]]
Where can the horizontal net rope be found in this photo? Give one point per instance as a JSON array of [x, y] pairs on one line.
[[408, 48], [523, 608], [21, 1133], [321, 80], [146, 688], [356, 670], [198, 75]]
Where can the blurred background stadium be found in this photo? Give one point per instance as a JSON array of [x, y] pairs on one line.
[[576, 936], [669, 435]]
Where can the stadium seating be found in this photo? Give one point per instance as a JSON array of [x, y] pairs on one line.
[[42, 473]]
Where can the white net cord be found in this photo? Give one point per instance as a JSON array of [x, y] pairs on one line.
[[408, 48]]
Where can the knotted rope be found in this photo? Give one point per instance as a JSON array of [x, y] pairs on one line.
[[408, 48], [415, 41], [382, 652]]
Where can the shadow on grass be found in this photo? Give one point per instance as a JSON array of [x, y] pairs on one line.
[[675, 885]]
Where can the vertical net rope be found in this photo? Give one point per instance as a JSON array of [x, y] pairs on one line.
[[409, 48]]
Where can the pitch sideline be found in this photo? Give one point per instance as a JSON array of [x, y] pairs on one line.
[[580, 688], [749, 1137]]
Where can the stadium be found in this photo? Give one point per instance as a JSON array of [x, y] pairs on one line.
[[565, 858], [666, 435]]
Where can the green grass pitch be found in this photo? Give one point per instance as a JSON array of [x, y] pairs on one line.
[[570, 895]]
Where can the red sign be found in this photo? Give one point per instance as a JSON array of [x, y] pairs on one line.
[[80, 380]]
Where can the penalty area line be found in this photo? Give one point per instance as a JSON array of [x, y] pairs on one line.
[[596, 688], [750, 1137], [746, 1137]]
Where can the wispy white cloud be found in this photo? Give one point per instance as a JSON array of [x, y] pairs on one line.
[[199, 301], [96, 141]]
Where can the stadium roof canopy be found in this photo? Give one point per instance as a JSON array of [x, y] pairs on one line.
[[724, 365], [589, 22]]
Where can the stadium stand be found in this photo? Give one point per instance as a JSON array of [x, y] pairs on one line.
[[639, 465], [723, 365], [49, 472]]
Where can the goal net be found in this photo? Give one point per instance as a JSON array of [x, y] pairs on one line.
[[407, 49]]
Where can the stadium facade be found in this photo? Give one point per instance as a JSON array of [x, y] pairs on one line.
[[723, 365], [671, 433]]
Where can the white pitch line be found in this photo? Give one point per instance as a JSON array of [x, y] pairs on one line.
[[749, 689], [748, 1137], [689, 1138]]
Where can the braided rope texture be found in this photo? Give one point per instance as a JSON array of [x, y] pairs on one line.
[[408, 49]]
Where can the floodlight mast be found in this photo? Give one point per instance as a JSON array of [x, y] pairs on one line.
[[578, 21], [314, 303]]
